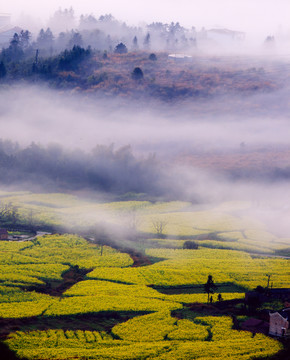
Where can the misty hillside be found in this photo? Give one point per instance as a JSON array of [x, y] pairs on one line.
[[145, 180], [144, 74], [158, 109], [105, 56]]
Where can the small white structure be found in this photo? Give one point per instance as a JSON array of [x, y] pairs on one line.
[[183, 57], [279, 323], [225, 35]]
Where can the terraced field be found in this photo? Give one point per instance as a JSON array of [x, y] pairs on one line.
[[224, 226], [110, 308]]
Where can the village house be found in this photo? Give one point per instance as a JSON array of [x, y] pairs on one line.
[[3, 234], [7, 30], [279, 323], [225, 35]]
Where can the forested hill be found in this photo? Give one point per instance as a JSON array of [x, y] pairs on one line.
[[108, 57], [139, 73]]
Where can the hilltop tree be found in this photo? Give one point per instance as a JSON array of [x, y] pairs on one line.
[[135, 45], [270, 40], [45, 40], [15, 41], [24, 39], [121, 49], [146, 42], [63, 20], [69, 60], [75, 40], [88, 22], [137, 74], [159, 225], [14, 52], [209, 287]]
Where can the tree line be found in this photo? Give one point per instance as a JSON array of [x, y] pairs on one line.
[[103, 34], [103, 169]]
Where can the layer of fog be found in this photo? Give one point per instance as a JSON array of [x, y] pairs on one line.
[[43, 116], [244, 15], [248, 30], [36, 114]]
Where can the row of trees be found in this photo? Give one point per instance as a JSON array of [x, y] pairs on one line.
[[14, 64], [104, 168], [103, 34], [18, 48], [21, 47], [166, 36], [20, 59]]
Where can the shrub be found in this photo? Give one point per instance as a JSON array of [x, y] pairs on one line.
[[192, 245], [121, 49], [152, 57], [137, 74]]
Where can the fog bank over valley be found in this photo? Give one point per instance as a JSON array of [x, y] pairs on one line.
[[70, 142], [155, 112], [145, 179], [32, 114]]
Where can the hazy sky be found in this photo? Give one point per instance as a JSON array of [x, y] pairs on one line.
[[247, 15]]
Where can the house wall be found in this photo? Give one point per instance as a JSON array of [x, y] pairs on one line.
[[277, 323], [3, 234]]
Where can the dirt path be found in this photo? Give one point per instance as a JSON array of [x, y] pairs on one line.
[[70, 278], [139, 258]]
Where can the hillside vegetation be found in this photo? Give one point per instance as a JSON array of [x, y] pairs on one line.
[[164, 78]]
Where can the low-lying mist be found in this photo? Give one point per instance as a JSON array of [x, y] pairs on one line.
[[37, 114], [205, 152], [192, 17]]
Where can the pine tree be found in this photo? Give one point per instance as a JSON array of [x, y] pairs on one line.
[[121, 49], [135, 43], [146, 42]]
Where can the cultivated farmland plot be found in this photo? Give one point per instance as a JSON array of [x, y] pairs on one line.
[[115, 309]]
